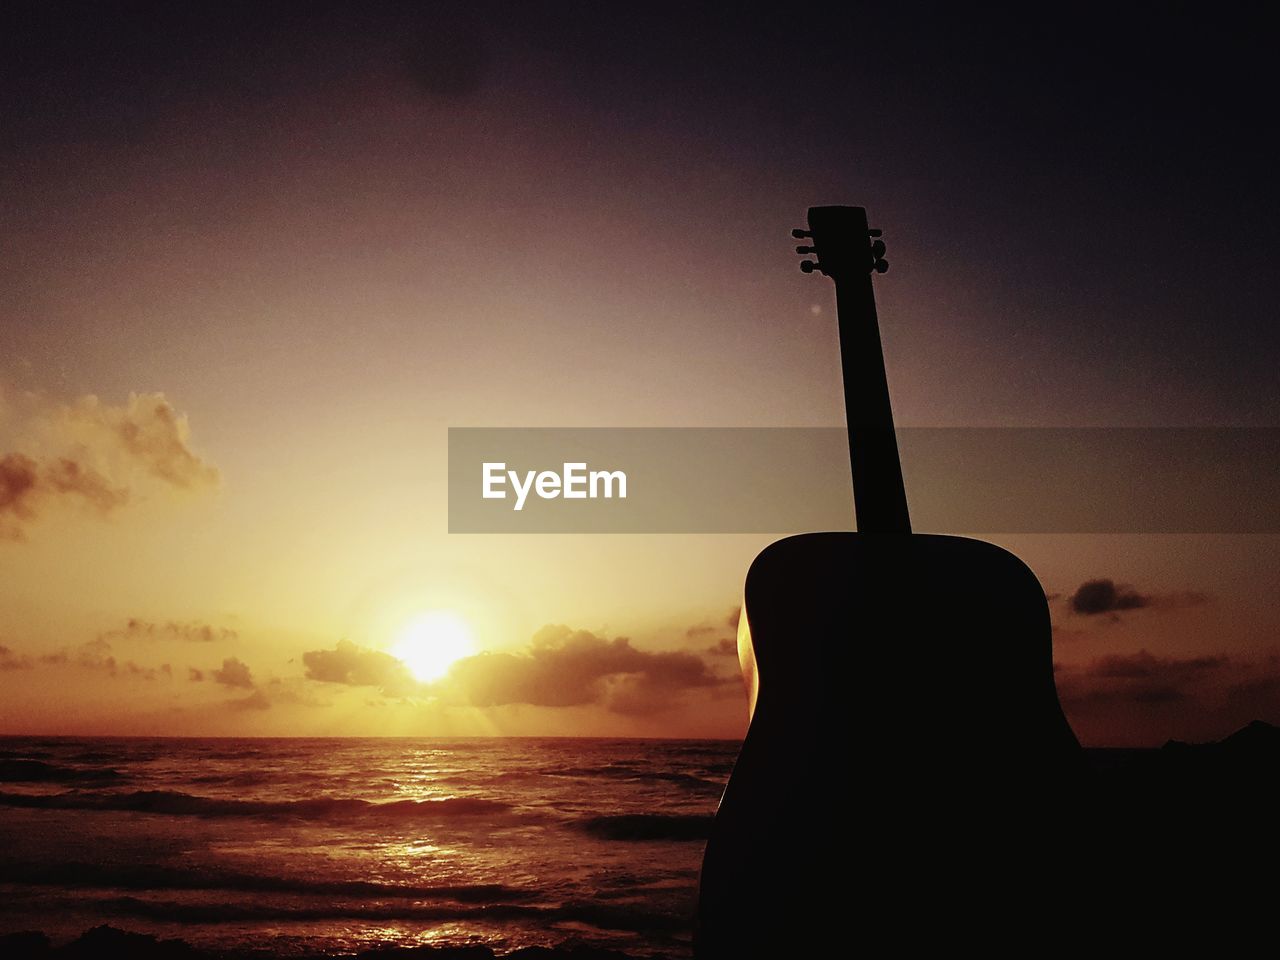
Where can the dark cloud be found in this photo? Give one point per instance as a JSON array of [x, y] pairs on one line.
[[357, 666], [727, 647], [233, 673], [195, 675], [566, 668], [27, 485], [1104, 595]]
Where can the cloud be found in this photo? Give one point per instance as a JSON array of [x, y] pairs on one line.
[[195, 675], [146, 673], [707, 629], [257, 700], [94, 655], [723, 647], [90, 453], [567, 668], [193, 631], [358, 666], [152, 432], [1144, 666], [97, 655], [1141, 677], [12, 661], [27, 485], [1104, 595], [1141, 698], [233, 673], [293, 691], [18, 482], [560, 668]]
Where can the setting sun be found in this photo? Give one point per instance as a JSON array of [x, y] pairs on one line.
[[430, 644]]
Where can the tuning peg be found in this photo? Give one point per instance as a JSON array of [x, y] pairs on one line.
[[804, 249], [877, 249], [875, 233], [801, 234], [881, 266], [808, 266]]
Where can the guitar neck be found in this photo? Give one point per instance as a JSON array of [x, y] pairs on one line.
[[848, 256], [843, 244], [880, 497]]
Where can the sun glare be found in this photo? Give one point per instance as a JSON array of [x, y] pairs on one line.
[[430, 644]]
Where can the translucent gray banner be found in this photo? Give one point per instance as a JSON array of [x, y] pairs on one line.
[[790, 480]]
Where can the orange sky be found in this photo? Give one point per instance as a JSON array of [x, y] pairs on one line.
[[154, 586]]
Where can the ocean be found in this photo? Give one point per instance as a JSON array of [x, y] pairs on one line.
[[328, 846]]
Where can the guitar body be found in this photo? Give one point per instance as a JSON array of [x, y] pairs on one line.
[[904, 727], [908, 774]]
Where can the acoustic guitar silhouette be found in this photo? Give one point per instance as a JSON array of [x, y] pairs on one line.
[[907, 758]]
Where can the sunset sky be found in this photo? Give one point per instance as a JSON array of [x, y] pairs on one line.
[[254, 263]]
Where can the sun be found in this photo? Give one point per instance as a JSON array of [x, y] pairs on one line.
[[430, 644]]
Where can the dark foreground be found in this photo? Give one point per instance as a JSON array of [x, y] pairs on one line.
[[1152, 849], [108, 942]]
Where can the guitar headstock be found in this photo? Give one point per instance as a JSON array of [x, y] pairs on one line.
[[842, 242]]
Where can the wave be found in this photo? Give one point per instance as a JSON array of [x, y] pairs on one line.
[[649, 826], [174, 803], [628, 773], [94, 756], [719, 749], [254, 778], [24, 770], [607, 916], [157, 877]]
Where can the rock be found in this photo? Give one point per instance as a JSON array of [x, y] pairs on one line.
[[106, 941]]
